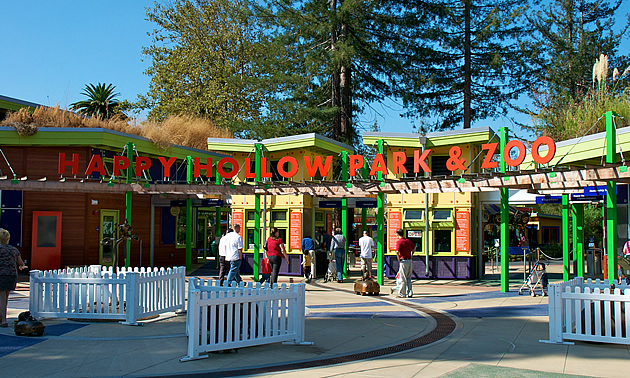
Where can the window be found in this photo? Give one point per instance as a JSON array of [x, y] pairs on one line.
[[438, 166], [251, 215], [550, 235], [278, 215], [413, 215], [409, 167], [180, 228], [441, 215], [283, 234], [319, 216], [275, 176], [416, 237], [252, 169], [250, 238], [442, 241]]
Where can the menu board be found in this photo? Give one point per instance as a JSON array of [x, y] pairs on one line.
[[393, 224], [237, 218], [462, 231], [295, 231]]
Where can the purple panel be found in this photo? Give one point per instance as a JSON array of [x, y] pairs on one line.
[[295, 268], [447, 267]]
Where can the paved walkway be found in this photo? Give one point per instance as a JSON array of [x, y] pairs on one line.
[[491, 334]]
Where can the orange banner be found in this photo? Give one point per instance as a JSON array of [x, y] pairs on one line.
[[393, 224], [295, 231], [237, 218], [462, 231], [329, 224]]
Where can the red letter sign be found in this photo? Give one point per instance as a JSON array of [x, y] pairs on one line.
[[398, 165], [167, 165], [96, 164], [356, 162], [63, 163], [551, 152], [120, 162], [143, 163], [294, 166], [312, 168]]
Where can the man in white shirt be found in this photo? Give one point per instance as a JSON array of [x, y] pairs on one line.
[[224, 266], [234, 254], [366, 243]]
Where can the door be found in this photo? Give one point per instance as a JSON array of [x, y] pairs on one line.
[[46, 248], [202, 239], [108, 229]]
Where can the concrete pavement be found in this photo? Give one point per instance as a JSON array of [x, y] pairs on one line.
[[494, 334]]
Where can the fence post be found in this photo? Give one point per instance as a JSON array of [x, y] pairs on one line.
[[181, 290], [34, 293], [132, 299], [192, 324], [555, 314]]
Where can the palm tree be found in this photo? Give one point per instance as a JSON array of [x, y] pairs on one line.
[[101, 101]]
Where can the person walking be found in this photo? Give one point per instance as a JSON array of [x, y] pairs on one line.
[[308, 249], [10, 260], [275, 251], [367, 245], [224, 266], [338, 245], [234, 246], [404, 252]]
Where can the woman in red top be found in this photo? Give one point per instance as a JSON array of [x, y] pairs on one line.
[[275, 252]]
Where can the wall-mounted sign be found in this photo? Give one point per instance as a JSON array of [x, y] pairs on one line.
[[228, 167], [414, 234], [462, 231], [329, 204], [393, 224], [295, 231]]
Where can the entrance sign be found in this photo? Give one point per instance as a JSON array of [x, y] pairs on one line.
[[237, 218], [462, 231], [330, 204], [548, 199], [595, 190], [366, 204], [228, 167]]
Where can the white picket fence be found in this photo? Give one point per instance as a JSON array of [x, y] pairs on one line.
[[97, 292], [589, 311], [221, 317]]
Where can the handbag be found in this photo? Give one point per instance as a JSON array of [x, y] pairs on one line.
[[265, 266]]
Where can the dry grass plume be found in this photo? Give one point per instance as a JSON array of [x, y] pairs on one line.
[[186, 131]]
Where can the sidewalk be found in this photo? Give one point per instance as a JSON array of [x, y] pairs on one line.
[[494, 333]]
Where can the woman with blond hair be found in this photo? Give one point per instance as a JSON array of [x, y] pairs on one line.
[[10, 259]]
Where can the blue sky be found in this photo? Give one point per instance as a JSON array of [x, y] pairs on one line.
[[52, 49]]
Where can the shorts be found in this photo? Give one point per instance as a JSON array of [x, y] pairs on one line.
[[8, 282]]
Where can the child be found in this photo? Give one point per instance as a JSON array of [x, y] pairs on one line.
[[265, 268]]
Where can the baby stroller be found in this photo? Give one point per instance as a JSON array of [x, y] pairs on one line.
[[537, 279], [331, 272]]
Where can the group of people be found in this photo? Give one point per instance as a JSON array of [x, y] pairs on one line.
[[231, 255]]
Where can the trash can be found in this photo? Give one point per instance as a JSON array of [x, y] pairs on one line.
[[321, 263]]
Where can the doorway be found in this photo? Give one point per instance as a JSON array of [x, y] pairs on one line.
[[108, 229], [202, 239]]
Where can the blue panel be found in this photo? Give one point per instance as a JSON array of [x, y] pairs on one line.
[[330, 204], [366, 204], [622, 194], [11, 220], [11, 199], [156, 171], [168, 226]]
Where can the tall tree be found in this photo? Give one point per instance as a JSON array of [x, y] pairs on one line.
[[340, 56], [469, 65], [205, 61], [101, 101], [570, 35]]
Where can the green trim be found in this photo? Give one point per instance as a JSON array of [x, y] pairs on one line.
[[565, 238], [577, 213], [13, 106]]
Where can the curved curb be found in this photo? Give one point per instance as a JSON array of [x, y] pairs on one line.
[[444, 326]]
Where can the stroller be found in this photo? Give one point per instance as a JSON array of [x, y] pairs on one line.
[[537, 279], [331, 272]]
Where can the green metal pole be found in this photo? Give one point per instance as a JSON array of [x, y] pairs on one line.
[[364, 226], [217, 218], [128, 197], [344, 209], [505, 221], [380, 221], [611, 200], [257, 214], [577, 211], [565, 238], [189, 179]]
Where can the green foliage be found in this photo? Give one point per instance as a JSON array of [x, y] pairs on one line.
[[593, 221], [467, 64], [101, 101], [205, 61]]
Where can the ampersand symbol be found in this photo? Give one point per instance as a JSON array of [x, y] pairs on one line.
[[454, 162]]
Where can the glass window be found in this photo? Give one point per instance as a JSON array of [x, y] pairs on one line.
[[411, 215], [409, 167], [442, 240], [180, 224], [279, 215], [283, 234], [251, 215], [441, 215], [438, 166], [250, 238], [416, 237], [319, 216]]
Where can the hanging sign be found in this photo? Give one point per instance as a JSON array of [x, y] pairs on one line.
[[393, 224], [548, 199], [329, 204], [237, 218], [366, 204], [595, 190], [462, 231], [295, 231], [579, 197]]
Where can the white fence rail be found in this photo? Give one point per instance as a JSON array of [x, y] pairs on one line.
[[220, 318], [589, 311], [97, 292]]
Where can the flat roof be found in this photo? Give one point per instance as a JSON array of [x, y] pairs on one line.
[[312, 141]]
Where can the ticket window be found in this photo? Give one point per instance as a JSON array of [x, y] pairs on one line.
[[279, 220], [443, 231], [416, 237]]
